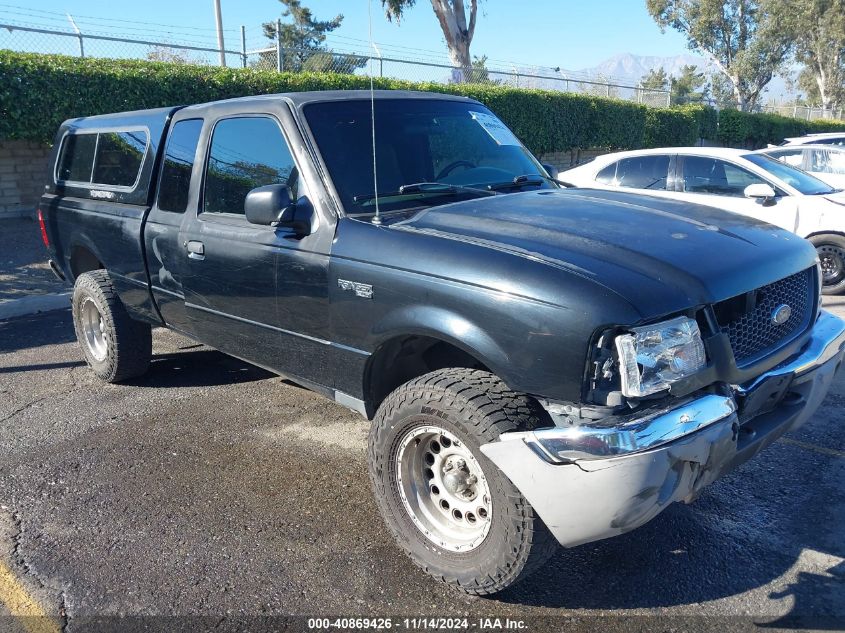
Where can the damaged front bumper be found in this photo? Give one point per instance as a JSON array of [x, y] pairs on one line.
[[596, 481]]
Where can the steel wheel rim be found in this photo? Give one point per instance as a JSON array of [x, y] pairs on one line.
[[94, 330], [443, 488], [832, 260]]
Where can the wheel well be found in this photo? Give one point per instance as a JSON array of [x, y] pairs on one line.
[[820, 233], [404, 358], [82, 261]]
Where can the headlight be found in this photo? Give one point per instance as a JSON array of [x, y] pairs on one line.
[[652, 357]]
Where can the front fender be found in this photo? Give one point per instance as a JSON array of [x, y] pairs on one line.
[[445, 325]]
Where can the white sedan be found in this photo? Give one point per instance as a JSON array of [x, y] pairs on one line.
[[822, 138], [736, 180], [825, 162]]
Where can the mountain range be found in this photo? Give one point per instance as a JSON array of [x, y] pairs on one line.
[[628, 69]]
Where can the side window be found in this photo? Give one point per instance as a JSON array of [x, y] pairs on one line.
[[789, 156], [819, 160], [178, 164], [714, 176], [836, 162], [76, 158], [119, 158], [246, 152], [607, 176], [643, 172]]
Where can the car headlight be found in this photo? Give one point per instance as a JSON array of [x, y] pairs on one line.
[[652, 357]]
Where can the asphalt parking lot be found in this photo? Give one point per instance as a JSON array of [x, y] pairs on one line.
[[212, 488]]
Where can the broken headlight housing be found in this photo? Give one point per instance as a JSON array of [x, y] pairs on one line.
[[652, 357]]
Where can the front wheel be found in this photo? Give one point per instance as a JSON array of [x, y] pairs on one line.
[[454, 513], [115, 346], [831, 250]]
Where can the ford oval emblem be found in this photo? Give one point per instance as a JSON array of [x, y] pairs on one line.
[[781, 314]]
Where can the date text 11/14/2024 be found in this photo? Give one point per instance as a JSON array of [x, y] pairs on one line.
[[417, 623]]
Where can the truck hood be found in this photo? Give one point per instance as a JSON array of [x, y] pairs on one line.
[[660, 255]]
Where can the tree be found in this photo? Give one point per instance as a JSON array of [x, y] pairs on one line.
[[723, 92], [480, 73], [820, 47], [303, 42], [747, 40], [163, 53], [655, 80], [690, 86], [452, 15]]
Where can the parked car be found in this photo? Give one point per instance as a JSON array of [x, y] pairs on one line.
[[822, 138], [744, 182], [825, 162], [540, 365]]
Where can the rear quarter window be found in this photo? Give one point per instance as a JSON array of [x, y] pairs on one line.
[[118, 158], [103, 159], [76, 157]]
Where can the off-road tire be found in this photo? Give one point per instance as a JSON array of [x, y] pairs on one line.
[[128, 342], [837, 242], [476, 407]]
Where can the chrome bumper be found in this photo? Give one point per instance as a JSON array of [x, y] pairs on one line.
[[595, 481]]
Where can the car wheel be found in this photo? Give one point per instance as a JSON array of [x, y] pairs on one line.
[[831, 250], [115, 346], [456, 515]]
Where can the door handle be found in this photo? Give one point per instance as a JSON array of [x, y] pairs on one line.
[[196, 250]]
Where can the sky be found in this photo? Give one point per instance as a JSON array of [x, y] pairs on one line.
[[572, 34]]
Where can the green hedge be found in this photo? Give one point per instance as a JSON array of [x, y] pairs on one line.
[[38, 92], [756, 130]]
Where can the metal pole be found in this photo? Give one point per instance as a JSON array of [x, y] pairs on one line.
[[78, 34], [279, 64], [218, 18], [243, 44]]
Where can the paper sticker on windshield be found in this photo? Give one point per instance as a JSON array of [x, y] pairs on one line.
[[495, 128]]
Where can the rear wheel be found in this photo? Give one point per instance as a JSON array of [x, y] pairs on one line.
[[115, 346], [831, 250], [454, 513]]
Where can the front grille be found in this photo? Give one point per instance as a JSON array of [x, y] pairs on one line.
[[748, 319]]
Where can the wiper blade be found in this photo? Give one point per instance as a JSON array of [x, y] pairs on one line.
[[525, 180], [434, 188]]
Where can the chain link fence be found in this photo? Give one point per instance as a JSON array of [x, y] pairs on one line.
[[34, 38], [805, 112]]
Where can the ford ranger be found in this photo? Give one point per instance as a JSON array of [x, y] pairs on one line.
[[542, 365]]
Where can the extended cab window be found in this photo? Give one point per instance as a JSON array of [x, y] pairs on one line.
[[246, 152], [76, 157], [178, 164], [637, 172], [714, 176], [119, 157], [105, 158]]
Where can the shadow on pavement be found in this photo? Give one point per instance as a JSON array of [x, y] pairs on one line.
[[197, 368], [36, 330], [41, 367]]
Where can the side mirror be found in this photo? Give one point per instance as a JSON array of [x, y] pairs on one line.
[[271, 205], [760, 191], [551, 170]]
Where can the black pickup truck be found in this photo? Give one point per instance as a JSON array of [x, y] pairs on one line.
[[541, 364]]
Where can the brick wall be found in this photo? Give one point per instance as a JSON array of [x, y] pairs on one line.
[[23, 173]]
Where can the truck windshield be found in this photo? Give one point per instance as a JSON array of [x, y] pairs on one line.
[[454, 149]]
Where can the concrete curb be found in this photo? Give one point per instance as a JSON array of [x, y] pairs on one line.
[[34, 304]]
